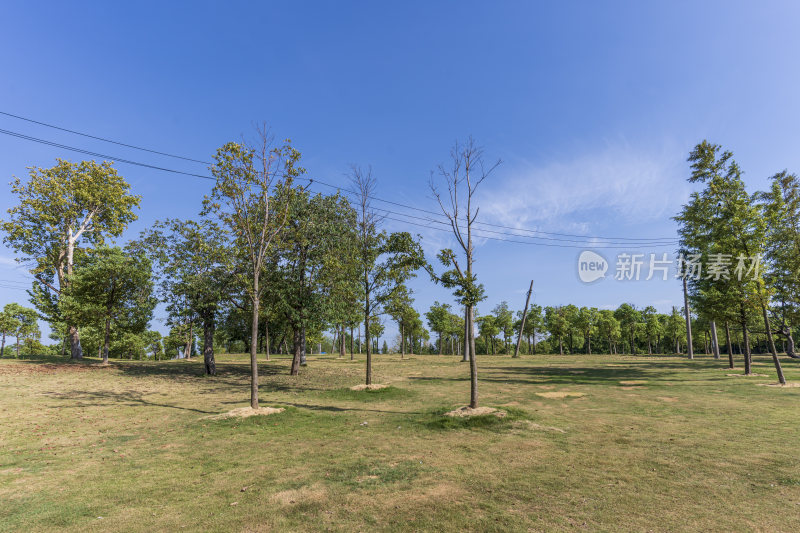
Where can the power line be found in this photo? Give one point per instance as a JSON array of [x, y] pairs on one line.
[[583, 241], [104, 139], [102, 156], [629, 241]]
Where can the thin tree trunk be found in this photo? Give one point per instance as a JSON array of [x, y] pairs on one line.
[[352, 350], [297, 342], [466, 355], [253, 349], [714, 339], [560, 346], [3, 345], [402, 340], [341, 342], [106, 340], [771, 342], [687, 313], [730, 346], [473, 364], [303, 361]]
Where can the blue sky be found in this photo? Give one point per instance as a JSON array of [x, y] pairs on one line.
[[592, 107]]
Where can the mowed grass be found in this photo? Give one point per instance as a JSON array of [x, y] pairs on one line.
[[653, 444]]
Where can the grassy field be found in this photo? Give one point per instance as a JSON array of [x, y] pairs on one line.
[[644, 444]]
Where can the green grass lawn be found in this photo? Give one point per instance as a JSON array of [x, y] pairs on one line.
[[653, 444]]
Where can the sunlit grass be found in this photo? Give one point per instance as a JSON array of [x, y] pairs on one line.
[[642, 443]]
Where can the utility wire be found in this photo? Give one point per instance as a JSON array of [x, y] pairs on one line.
[[102, 156], [103, 139], [629, 241]]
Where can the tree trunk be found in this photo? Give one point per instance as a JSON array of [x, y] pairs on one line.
[[589, 344], [253, 349], [771, 342], [466, 355], [714, 339], [17, 347], [730, 346], [560, 346], [187, 351], [473, 364], [687, 313], [341, 342], [367, 341], [297, 342], [402, 340], [208, 344], [266, 338], [440, 344], [352, 350], [75, 343], [303, 361], [3, 345], [746, 338], [106, 340]]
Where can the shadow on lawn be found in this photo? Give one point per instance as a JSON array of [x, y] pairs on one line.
[[110, 398]]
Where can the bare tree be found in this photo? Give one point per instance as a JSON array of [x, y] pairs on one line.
[[462, 179], [385, 261]]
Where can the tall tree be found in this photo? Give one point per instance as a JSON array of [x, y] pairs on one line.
[[386, 261], [723, 223], [194, 273], [114, 289], [246, 179], [461, 180], [311, 258], [62, 211]]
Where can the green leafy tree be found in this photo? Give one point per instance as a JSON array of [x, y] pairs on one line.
[[504, 320], [724, 221], [112, 288], [608, 328], [439, 321], [62, 211], [312, 258], [555, 321], [401, 308], [9, 324], [629, 319], [194, 275], [489, 330], [781, 208], [21, 323], [246, 179], [586, 322]]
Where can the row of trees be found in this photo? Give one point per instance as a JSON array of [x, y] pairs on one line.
[[752, 241], [273, 266]]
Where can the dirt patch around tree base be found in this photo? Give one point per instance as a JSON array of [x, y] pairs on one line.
[[373, 386], [465, 411], [787, 385], [634, 382], [752, 375], [245, 412], [560, 394]]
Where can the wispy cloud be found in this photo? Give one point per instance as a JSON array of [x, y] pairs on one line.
[[572, 195]]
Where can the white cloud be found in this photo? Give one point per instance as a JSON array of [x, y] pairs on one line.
[[617, 181]]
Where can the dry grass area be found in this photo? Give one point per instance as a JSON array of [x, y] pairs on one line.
[[133, 447]]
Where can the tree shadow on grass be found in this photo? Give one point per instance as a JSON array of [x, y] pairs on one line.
[[111, 398]]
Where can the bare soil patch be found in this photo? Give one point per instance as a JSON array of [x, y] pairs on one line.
[[788, 385], [373, 386], [465, 411], [245, 412], [560, 394], [748, 375], [634, 382]]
